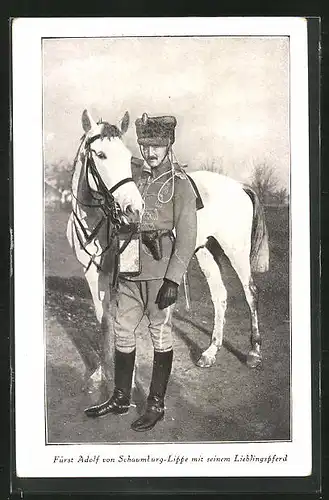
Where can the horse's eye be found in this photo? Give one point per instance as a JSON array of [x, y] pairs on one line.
[[101, 155]]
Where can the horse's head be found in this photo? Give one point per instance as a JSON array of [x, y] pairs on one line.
[[112, 160]]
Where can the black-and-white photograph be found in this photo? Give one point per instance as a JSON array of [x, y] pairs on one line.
[[167, 161], [167, 238]]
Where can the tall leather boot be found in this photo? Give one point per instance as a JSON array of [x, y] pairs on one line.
[[162, 364], [119, 402]]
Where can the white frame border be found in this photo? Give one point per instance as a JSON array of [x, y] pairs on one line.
[[33, 457]]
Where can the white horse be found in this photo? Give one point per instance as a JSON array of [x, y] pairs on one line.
[[232, 218]]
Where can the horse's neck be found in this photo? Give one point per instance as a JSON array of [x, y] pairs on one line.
[[77, 175], [81, 199]]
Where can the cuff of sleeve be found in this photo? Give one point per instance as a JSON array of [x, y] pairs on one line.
[[169, 281], [175, 277]]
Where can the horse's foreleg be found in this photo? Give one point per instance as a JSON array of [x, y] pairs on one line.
[[219, 298], [99, 290], [98, 295]]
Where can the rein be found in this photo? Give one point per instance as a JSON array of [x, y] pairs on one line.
[[112, 213], [99, 179]]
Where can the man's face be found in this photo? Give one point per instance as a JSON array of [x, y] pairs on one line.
[[154, 155]]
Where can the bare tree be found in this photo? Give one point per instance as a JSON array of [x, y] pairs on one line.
[[264, 182], [213, 165], [59, 174], [281, 196]]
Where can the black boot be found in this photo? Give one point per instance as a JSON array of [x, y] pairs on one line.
[[120, 400], [155, 402]]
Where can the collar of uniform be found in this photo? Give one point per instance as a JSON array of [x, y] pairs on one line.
[[155, 172], [146, 168]]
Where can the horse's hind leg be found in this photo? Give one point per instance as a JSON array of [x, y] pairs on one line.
[[241, 264], [219, 297]]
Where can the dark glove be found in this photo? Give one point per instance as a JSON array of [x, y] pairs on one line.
[[167, 294]]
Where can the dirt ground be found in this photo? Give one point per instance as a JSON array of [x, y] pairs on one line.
[[227, 402]]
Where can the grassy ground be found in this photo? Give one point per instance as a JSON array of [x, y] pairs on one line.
[[227, 402]]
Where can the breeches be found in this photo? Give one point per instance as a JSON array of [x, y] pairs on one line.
[[136, 299]]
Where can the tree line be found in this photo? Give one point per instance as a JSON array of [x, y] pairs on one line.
[[263, 180]]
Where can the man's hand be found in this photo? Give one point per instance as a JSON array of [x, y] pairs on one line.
[[167, 294]]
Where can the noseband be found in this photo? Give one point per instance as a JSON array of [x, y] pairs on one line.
[[104, 200]]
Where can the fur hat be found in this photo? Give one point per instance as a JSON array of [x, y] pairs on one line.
[[155, 130]]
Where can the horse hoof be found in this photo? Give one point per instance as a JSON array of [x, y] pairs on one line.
[[206, 361], [254, 360], [93, 381]]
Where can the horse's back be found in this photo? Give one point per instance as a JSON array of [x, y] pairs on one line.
[[228, 210], [220, 190], [209, 183]]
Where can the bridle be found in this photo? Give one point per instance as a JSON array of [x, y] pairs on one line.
[[94, 171], [103, 199]]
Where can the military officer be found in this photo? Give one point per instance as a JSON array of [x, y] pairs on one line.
[[170, 204]]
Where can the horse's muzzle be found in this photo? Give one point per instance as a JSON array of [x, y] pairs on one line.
[[129, 210], [131, 216]]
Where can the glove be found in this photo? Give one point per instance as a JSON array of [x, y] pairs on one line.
[[167, 294]]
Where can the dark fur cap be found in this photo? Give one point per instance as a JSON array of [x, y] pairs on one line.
[[155, 130]]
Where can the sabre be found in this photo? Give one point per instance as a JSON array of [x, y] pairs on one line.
[[186, 291]]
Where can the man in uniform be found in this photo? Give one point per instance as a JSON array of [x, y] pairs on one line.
[[170, 204]]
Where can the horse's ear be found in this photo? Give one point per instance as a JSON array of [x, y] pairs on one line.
[[87, 121], [124, 124]]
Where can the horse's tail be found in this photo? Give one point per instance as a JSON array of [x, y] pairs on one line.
[[259, 253]]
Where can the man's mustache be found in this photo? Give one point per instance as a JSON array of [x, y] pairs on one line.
[[152, 157]]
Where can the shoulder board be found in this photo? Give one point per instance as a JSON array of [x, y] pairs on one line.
[[181, 175], [136, 162], [179, 172]]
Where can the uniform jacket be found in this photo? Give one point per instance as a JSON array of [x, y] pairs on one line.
[[170, 204]]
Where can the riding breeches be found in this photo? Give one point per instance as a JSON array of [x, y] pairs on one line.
[[136, 299]]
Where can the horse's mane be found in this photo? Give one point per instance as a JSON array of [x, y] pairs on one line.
[[109, 130]]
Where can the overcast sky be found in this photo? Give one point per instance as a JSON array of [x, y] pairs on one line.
[[229, 95]]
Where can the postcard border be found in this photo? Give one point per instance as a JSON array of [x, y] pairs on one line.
[[248, 484]]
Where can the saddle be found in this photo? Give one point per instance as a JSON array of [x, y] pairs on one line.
[[199, 202]]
